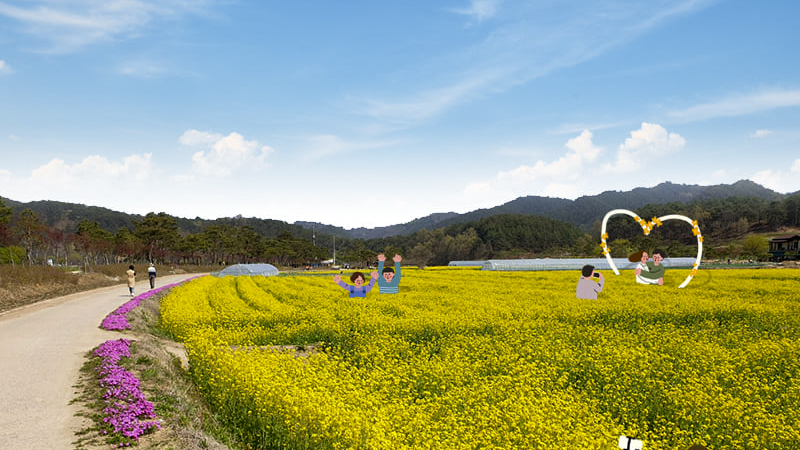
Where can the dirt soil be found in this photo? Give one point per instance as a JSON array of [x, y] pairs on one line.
[[42, 348]]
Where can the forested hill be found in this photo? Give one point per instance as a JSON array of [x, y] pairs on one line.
[[581, 212], [66, 216]]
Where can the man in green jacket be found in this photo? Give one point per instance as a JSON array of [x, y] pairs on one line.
[[656, 270]]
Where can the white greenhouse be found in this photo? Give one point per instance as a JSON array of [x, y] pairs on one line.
[[266, 270], [574, 263], [466, 263]]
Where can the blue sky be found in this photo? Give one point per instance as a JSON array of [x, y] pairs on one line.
[[364, 113]]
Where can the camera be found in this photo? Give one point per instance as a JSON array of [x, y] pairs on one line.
[[596, 275], [629, 443]]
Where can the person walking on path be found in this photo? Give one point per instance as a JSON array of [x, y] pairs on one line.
[[389, 281], [151, 273], [131, 278]]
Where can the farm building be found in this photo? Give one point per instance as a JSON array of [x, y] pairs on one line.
[[784, 247], [249, 269]]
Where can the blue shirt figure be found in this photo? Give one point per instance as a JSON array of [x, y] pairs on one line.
[[359, 290], [389, 282]]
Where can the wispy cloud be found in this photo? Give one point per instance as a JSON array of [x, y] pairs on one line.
[[69, 26], [527, 41], [740, 105], [480, 10], [760, 133], [4, 68], [328, 145], [223, 155], [142, 68]]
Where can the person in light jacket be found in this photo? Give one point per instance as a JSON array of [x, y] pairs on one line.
[[587, 287], [131, 278]]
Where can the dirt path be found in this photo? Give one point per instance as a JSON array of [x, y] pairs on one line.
[[42, 349]]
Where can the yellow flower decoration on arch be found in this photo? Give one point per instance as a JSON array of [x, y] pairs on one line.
[[646, 228]]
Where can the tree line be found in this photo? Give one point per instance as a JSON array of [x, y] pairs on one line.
[[727, 226]]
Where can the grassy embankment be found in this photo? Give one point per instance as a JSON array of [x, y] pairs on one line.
[[24, 285]]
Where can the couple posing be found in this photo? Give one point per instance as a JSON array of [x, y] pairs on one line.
[[388, 283], [649, 272]]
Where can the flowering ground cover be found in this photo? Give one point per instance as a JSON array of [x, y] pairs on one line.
[[498, 360], [118, 319], [126, 410]]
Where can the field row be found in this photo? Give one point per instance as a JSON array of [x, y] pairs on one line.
[[472, 359]]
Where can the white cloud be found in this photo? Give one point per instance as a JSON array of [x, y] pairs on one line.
[[760, 133], [778, 180], [740, 105], [479, 9], [647, 144], [4, 67], [224, 154], [93, 169], [558, 178], [581, 151], [69, 26]]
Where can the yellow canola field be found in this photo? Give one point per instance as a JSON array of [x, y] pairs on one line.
[[470, 359]]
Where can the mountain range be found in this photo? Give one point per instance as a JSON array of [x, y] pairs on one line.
[[581, 212]]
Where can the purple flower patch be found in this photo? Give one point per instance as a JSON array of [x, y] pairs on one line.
[[118, 319], [125, 402]]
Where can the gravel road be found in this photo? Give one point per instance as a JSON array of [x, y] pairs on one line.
[[42, 348]]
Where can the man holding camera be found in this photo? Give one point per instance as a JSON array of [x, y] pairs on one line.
[[587, 286]]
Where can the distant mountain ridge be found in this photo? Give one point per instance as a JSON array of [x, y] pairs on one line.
[[581, 212]]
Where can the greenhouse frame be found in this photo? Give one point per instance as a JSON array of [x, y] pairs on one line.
[[575, 264], [266, 270], [466, 263]]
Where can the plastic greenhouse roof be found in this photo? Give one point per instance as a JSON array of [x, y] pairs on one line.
[[466, 263], [249, 269], [574, 263]]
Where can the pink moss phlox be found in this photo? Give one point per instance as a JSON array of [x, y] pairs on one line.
[[125, 402], [118, 319]]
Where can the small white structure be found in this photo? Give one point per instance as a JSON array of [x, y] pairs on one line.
[[266, 270], [574, 263]]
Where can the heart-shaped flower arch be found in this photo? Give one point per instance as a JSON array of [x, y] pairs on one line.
[[646, 227]]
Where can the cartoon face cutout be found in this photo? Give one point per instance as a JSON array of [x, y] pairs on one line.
[[388, 276], [644, 257]]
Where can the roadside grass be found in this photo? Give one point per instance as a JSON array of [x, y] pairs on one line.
[[25, 285], [186, 422]]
